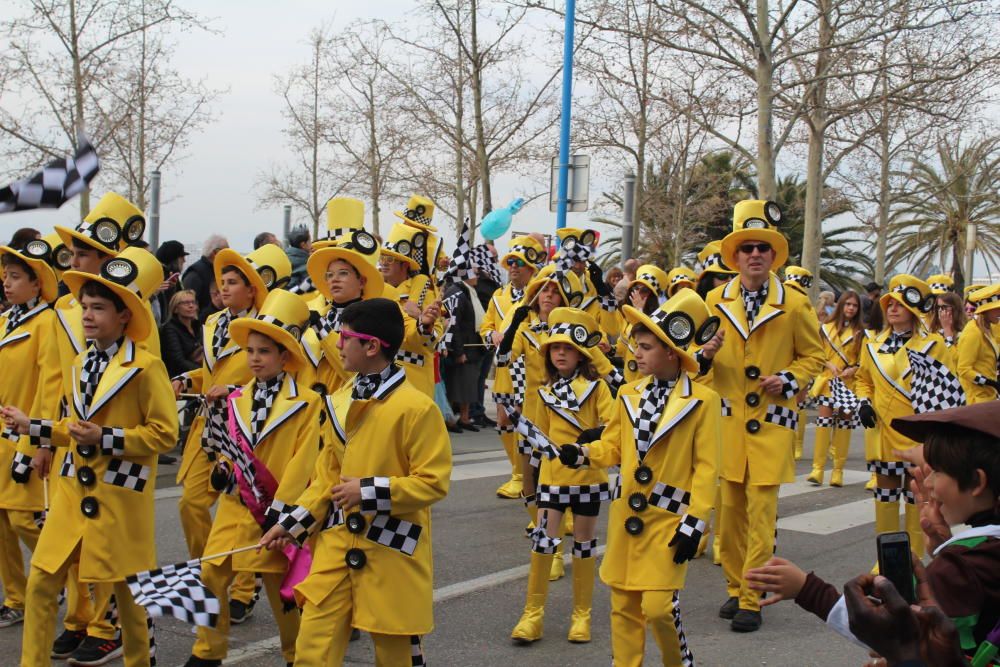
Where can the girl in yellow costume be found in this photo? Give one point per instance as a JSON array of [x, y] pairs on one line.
[[30, 358], [678, 278], [979, 348], [280, 420], [573, 401], [842, 337], [665, 434], [883, 385], [645, 293]]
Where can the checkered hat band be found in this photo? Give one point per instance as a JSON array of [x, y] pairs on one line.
[[939, 286], [411, 214], [294, 330], [992, 299], [407, 357], [338, 232], [651, 280]]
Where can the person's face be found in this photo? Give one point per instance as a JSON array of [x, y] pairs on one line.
[[956, 505], [653, 357], [234, 293], [991, 317], [101, 322], [851, 307], [87, 260], [897, 316], [343, 281], [614, 279], [186, 307], [520, 272], [393, 271], [549, 298], [944, 311], [177, 265], [264, 357], [579, 268], [564, 357], [754, 259], [355, 353], [215, 296], [18, 286]]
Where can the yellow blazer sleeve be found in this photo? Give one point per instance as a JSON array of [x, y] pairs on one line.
[[315, 498], [864, 383], [300, 468], [491, 319], [707, 445], [605, 404], [156, 429], [195, 380], [808, 348], [49, 384], [607, 451]]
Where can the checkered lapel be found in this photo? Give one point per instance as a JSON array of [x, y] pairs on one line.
[[733, 309], [646, 410], [679, 406], [116, 376], [356, 408], [212, 335], [286, 404]]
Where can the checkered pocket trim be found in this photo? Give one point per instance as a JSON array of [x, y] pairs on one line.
[[375, 496], [782, 416], [789, 385], [127, 475], [394, 533], [68, 469], [691, 526], [727, 408], [113, 441], [40, 432], [296, 520], [407, 357], [670, 498], [575, 493], [20, 467], [586, 549], [888, 468]]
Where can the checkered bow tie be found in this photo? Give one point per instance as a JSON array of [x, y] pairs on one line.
[[516, 294], [94, 365], [330, 322], [539, 327], [562, 389], [221, 335], [752, 301], [14, 316], [895, 342], [365, 386], [263, 398], [654, 397]]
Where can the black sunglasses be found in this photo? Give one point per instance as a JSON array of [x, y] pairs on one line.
[[514, 261], [748, 248]]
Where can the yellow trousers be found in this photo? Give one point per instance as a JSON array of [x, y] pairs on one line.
[[631, 612], [749, 519], [326, 631], [213, 643], [43, 605]]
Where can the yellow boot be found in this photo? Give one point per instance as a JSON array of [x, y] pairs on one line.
[[913, 528], [820, 450], [800, 434], [529, 628], [583, 592], [512, 487], [841, 445], [886, 510], [870, 484], [558, 568], [717, 540]]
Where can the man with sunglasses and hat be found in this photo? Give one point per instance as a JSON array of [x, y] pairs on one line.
[[765, 353]]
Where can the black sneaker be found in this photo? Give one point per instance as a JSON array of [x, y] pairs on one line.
[[9, 617], [484, 421], [746, 621], [195, 661], [67, 642], [729, 608], [96, 651], [355, 634], [239, 612]]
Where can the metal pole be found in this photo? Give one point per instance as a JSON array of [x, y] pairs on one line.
[[628, 230], [567, 98], [154, 210], [287, 224], [970, 251]]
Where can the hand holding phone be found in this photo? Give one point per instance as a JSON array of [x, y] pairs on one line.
[[895, 563]]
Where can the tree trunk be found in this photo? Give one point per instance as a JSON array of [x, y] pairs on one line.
[[766, 182], [477, 101], [812, 233], [883, 192], [459, 134], [374, 170], [140, 202], [80, 124]]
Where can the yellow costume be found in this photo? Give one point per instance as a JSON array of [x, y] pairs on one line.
[[653, 278], [978, 350]]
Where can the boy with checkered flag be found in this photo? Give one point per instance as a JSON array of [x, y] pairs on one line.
[[369, 501]]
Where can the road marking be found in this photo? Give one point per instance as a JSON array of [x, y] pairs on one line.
[[479, 456], [800, 485], [831, 519], [478, 470]]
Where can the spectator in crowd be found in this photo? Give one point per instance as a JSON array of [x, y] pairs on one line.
[[215, 306], [825, 305], [613, 276], [22, 236], [871, 312], [298, 248], [171, 255], [628, 269], [485, 287], [200, 276], [948, 317], [465, 352], [180, 336], [264, 238]]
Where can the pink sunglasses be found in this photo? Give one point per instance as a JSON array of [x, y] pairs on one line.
[[362, 336]]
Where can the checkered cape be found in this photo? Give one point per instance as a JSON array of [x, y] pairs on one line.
[[843, 398], [933, 386], [176, 590], [55, 184]]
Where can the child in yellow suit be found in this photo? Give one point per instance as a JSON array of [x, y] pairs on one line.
[[665, 435], [370, 499]]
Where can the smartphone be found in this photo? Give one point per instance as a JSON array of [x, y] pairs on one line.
[[895, 564]]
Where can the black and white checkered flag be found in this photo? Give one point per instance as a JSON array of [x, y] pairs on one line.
[[532, 434], [176, 590], [460, 267], [843, 398], [55, 184], [934, 386], [482, 258]]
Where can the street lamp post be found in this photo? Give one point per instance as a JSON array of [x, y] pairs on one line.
[[564, 121]]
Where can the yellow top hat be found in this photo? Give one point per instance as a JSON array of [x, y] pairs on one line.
[[61, 257], [37, 254], [402, 242], [359, 249], [682, 319], [266, 268], [574, 234], [679, 277], [419, 212], [282, 318], [573, 327], [569, 284], [653, 277], [986, 298], [755, 220], [798, 278], [113, 224], [941, 283], [912, 292], [134, 275], [710, 260], [343, 216], [527, 249]]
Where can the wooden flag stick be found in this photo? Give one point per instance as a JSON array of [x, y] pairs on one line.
[[45, 491], [228, 553]]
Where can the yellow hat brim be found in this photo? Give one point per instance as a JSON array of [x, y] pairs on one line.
[[414, 223], [795, 285], [240, 331], [733, 240], [48, 281], [320, 260], [566, 338], [883, 303], [536, 284], [229, 257], [671, 289], [635, 316], [517, 255], [140, 325], [68, 235], [412, 263]]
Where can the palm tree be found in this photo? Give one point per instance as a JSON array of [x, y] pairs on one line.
[[959, 187]]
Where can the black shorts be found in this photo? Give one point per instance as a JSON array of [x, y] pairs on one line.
[[579, 509]]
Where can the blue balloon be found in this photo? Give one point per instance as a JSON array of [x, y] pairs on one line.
[[497, 222]]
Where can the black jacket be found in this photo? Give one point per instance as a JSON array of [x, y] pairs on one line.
[[178, 346], [199, 277], [464, 330]]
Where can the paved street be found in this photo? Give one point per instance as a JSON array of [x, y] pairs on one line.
[[481, 563]]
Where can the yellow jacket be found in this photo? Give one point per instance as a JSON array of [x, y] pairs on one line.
[[884, 380], [288, 446], [527, 351], [842, 350], [325, 366], [682, 462], [501, 305], [784, 339], [563, 425], [30, 359], [625, 350], [395, 441], [228, 369], [416, 354], [977, 355], [134, 404]]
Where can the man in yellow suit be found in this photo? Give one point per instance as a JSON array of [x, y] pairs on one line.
[[771, 349]]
